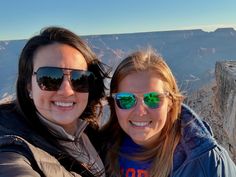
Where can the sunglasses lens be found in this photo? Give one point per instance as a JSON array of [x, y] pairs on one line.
[[81, 80], [49, 79], [152, 100], [125, 100]]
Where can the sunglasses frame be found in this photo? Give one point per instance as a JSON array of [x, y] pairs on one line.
[[69, 78], [160, 95]]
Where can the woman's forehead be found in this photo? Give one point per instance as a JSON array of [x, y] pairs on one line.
[[141, 82]]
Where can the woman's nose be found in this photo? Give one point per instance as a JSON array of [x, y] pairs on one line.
[[140, 108], [66, 88]]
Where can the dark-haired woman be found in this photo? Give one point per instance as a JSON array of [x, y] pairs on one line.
[[47, 130]]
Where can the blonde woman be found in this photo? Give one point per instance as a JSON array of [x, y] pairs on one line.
[[151, 132]]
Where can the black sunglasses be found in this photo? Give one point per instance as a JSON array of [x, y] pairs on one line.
[[51, 78]]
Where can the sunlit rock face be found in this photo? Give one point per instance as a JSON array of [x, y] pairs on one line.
[[225, 99]]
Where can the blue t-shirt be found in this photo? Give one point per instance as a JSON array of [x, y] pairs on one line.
[[129, 167]]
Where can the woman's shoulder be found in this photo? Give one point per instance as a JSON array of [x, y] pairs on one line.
[[21, 151], [9, 110], [15, 164], [218, 161], [214, 162], [197, 150], [14, 150], [16, 133], [12, 121], [17, 144]]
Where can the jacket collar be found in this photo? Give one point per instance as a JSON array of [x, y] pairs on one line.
[[196, 137], [60, 132], [196, 133]]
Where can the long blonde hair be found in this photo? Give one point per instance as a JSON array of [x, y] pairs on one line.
[[146, 60]]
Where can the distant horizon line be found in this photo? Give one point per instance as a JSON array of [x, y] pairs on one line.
[[137, 32]]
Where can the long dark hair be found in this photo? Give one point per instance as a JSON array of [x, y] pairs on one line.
[[46, 37]]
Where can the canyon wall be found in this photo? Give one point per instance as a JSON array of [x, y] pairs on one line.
[[225, 100]]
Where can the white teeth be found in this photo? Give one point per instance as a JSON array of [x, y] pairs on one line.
[[63, 104], [140, 124]]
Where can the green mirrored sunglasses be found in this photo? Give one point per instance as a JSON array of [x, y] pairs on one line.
[[127, 100]]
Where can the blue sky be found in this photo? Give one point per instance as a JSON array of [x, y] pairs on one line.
[[21, 19]]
